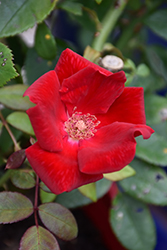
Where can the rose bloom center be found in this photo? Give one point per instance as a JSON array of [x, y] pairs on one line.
[[81, 126]]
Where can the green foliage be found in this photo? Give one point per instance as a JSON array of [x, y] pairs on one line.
[[45, 43], [154, 150], [148, 185], [58, 220], [120, 175], [23, 178], [71, 7], [7, 71], [17, 16], [12, 97], [46, 197], [157, 21], [20, 120], [132, 223], [38, 236], [14, 207], [89, 191]]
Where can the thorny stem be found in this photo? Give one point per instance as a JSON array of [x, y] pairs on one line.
[[36, 201], [108, 23], [10, 132]]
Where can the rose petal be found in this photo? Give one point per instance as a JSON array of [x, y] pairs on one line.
[[70, 63], [128, 107], [91, 92], [59, 171], [49, 114], [111, 149]]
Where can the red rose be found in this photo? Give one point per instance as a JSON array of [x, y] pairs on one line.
[[85, 122]]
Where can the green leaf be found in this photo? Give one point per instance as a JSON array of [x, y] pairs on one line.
[[17, 16], [157, 22], [44, 187], [120, 175], [38, 238], [58, 220], [71, 7], [75, 199], [1, 125], [16, 159], [23, 178], [132, 223], [89, 191], [20, 120], [143, 70], [45, 43], [149, 184], [46, 197], [98, 1], [14, 207], [7, 71], [12, 97], [156, 108], [153, 150]]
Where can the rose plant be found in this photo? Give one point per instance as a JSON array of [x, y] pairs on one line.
[[85, 122]]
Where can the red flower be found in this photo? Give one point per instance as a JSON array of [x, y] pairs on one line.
[[85, 122]]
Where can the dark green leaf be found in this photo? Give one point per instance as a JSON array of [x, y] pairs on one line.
[[157, 22], [46, 197], [36, 66], [16, 159], [23, 179], [20, 120], [7, 71], [14, 207], [58, 220], [12, 97], [44, 187], [38, 238], [74, 8], [75, 199], [120, 175], [45, 43], [156, 108], [153, 150], [149, 184], [17, 16], [132, 223]]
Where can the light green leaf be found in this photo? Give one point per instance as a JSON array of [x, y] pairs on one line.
[[149, 184], [132, 223], [120, 175], [58, 220], [20, 120], [75, 199], [45, 43], [153, 150], [157, 22], [44, 187], [18, 16], [74, 8], [98, 1], [89, 191], [23, 179], [46, 197], [12, 97], [14, 207], [38, 238], [7, 71], [143, 70]]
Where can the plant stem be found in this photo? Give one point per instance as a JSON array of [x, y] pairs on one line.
[[36, 201], [108, 23], [10, 132]]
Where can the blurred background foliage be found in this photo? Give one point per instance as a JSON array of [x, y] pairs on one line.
[[134, 31]]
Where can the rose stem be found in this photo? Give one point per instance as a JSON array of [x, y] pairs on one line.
[[108, 23], [10, 132], [36, 201]]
